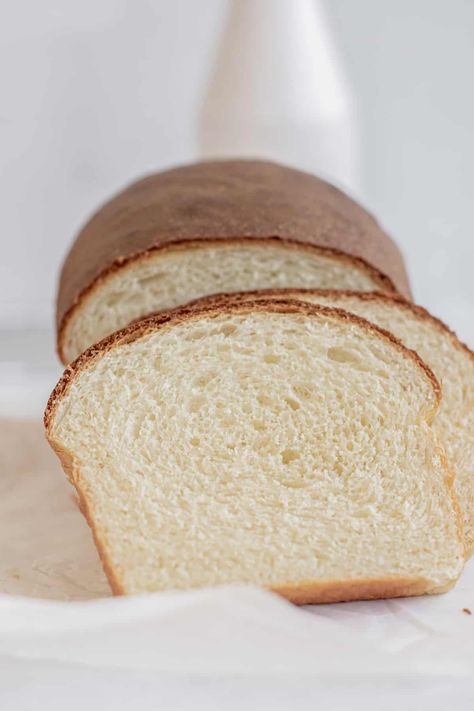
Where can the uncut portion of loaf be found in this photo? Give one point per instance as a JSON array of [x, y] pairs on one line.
[[451, 361], [275, 443], [216, 226]]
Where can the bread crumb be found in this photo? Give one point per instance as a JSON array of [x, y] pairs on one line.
[[467, 610]]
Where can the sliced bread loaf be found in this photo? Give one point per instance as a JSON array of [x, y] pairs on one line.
[[276, 443], [217, 226], [451, 361]]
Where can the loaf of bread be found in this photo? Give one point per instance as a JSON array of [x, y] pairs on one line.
[[217, 226], [276, 442], [451, 361]]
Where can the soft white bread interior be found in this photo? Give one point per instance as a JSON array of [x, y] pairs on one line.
[[275, 443], [170, 277], [451, 361]]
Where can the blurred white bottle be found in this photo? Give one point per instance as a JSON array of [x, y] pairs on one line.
[[278, 91]]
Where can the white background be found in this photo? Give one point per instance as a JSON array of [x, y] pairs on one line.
[[94, 93]]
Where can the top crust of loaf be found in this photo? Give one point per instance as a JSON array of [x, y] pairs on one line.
[[172, 318], [226, 200]]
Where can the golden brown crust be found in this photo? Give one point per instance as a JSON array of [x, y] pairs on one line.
[[72, 471], [140, 328], [323, 592], [225, 201]]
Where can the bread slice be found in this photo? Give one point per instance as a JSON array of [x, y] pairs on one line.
[[217, 226], [451, 361], [276, 443]]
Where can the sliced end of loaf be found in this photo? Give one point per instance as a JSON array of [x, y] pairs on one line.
[[281, 444]]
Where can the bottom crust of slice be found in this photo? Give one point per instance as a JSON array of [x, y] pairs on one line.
[[323, 592]]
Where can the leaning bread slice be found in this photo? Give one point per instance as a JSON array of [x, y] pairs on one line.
[[276, 443], [451, 361]]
